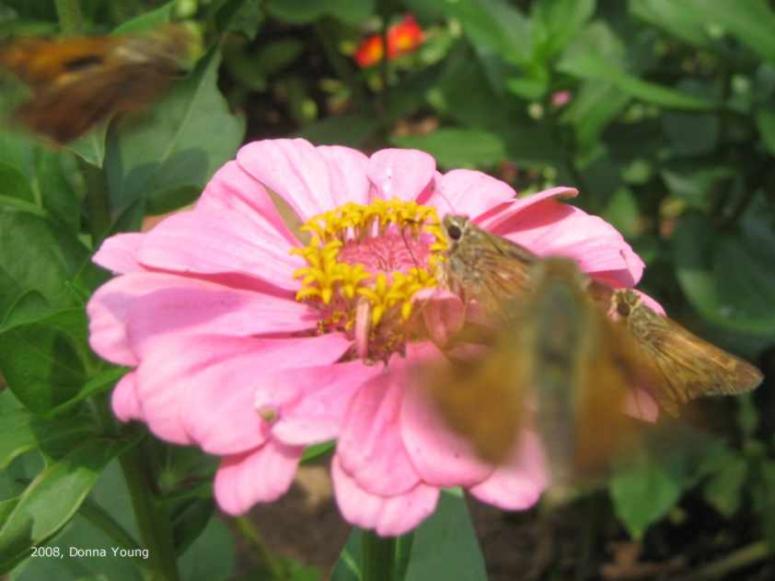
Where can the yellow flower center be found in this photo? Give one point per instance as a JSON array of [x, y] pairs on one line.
[[365, 263]]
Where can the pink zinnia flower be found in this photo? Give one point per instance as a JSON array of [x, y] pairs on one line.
[[252, 344]]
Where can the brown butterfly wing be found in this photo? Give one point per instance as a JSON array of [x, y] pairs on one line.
[[69, 108], [39, 61], [482, 401], [79, 82], [690, 367], [489, 269]]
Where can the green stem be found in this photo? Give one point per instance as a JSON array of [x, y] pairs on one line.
[[378, 557], [70, 16], [152, 519], [744, 557], [252, 534], [97, 516], [97, 201], [151, 516]]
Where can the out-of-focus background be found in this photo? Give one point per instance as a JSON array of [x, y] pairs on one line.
[[661, 112]]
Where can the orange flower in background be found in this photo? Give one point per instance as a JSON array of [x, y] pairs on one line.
[[402, 38]]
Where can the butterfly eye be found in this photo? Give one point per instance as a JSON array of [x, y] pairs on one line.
[[454, 232]]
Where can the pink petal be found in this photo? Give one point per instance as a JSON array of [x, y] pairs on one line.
[[347, 172], [401, 173], [495, 222], [200, 389], [550, 228], [640, 405], [221, 378], [293, 169], [262, 475], [370, 445], [124, 401], [443, 313], [471, 193], [440, 457], [518, 484], [154, 303], [233, 189], [651, 303], [108, 310], [118, 253], [322, 397], [206, 242], [387, 515]]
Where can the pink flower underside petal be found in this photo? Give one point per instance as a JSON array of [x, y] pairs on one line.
[[387, 515], [347, 173], [129, 312], [440, 457], [467, 192], [118, 253], [443, 313], [370, 445], [206, 242], [233, 189], [495, 221], [294, 170], [401, 173], [651, 303], [262, 475], [641, 405], [124, 401], [518, 484], [554, 229], [201, 389], [322, 395]]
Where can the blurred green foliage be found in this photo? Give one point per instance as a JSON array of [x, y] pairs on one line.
[[661, 112]]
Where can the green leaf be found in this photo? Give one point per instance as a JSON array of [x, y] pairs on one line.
[[44, 362], [445, 546], [16, 434], [764, 500], [556, 23], [644, 490], [305, 11], [53, 175], [52, 499], [151, 19], [173, 149], [594, 106], [727, 276], [494, 26], [39, 255], [458, 147], [352, 130], [190, 516], [348, 565], [91, 147], [99, 383], [82, 533], [14, 184], [723, 491], [622, 211], [211, 556], [316, 450], [692, 182], [765, 121], [751, 21], [588, 65], [22, 432], [680, 19], [691, 133]]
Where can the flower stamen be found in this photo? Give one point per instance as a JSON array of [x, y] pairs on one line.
[[365, 263]]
